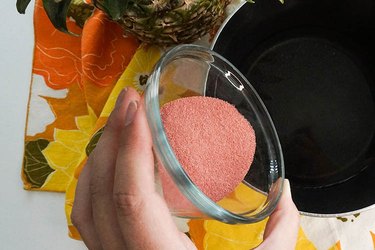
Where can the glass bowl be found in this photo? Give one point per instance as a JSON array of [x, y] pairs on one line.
[[191, 70]]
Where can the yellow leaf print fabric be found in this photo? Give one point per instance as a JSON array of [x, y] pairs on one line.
[[210, 234], [70, 144]]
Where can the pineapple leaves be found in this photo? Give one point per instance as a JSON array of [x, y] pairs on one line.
[[22, 5], [57, 12], [115, 8]]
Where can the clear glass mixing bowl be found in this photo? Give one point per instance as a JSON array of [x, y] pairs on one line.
[[188, 70]]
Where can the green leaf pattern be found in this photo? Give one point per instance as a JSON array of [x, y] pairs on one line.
[[94, 140], [35, 165]]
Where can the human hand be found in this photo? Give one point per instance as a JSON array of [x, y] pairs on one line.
[[282, 227], [116, 204]]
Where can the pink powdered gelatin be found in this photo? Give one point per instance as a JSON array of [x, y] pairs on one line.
[[212, 141]]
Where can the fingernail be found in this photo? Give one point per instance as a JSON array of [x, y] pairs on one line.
[[120, 97], [130, 113]]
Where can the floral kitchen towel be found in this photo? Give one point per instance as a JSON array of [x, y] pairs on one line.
[[72, 77]]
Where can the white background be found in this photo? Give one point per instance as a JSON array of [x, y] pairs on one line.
[[28, 220]]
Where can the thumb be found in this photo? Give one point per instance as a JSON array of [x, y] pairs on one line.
[[283, 224]]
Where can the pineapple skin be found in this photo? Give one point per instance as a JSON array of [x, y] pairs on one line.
[[79, 11], [168, 22]]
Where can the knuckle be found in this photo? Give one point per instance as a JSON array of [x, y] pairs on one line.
[[129, 145], [128, 204], [96, 187]]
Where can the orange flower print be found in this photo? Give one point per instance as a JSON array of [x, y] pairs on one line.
[[106, 51], [57, 56]]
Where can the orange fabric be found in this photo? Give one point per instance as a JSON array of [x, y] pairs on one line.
[[65, 110], [105, 54], [337, 246], [71, 81], [197, 232], [57, 56]]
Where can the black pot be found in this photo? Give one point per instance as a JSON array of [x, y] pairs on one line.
[[313, 64]]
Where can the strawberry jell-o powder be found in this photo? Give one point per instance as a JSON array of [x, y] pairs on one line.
[[213, 142]]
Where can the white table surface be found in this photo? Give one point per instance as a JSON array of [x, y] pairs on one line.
[[28, 220]]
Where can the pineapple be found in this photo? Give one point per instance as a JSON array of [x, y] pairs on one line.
[[162, 22]]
